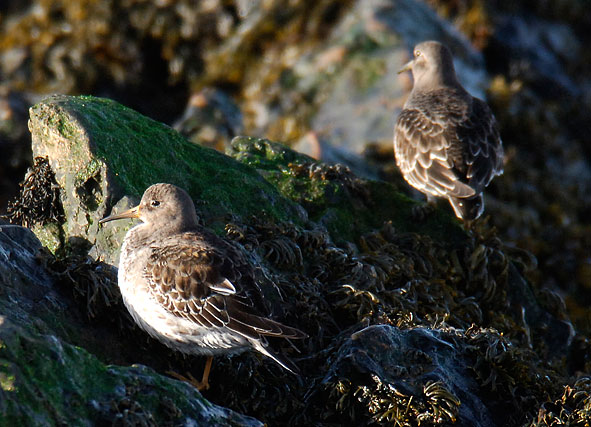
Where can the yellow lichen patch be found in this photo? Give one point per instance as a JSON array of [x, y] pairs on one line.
[[7, 381]]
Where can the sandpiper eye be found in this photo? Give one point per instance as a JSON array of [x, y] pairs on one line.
[[417, 53], [155, 203]]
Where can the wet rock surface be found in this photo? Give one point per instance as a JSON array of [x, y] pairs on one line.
[[390, 361]]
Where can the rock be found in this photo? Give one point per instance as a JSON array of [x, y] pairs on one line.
[[409, 374], [333, 196], [44, 380], [80, 136], [345, 254], [320, 148], [20, 268], [335, 253], [211, 118]]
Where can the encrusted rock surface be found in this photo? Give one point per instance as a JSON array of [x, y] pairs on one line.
[[355, 271]]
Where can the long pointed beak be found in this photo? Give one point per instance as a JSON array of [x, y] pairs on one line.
[[131, 213], [406, 67]]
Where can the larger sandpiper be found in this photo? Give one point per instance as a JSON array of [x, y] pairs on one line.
[[189, 288], [446, 142]]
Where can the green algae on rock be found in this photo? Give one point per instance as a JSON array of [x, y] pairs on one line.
[[101, 151], [333, 196], [45, 380]]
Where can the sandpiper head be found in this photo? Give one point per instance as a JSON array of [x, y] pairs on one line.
[[432, 64], [165, 204]]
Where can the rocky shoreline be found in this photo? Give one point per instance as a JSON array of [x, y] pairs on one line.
[[408, 322]]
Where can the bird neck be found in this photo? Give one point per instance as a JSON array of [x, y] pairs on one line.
[[145, 234], [432, 81]]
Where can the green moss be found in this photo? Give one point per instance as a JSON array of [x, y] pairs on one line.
[[139, 151], [346, 205], [63, 127], [89, 170], [51, 375], [50, 236], [264, 154], [46, 382], [391, 205], [136, 151]]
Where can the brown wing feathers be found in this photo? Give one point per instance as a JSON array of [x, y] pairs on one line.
[[200, 285], [455, 159], [484, 155], [425, 158]]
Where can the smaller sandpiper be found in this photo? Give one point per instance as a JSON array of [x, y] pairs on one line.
[[189, 288], [446, 141]]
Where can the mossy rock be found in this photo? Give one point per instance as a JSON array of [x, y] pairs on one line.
[[345, 253], [101, 151], [44, 381], [333, 196]]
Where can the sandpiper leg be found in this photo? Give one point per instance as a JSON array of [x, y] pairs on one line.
[[199, 385], [204, 385]]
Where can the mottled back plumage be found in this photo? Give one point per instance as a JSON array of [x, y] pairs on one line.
[[193, 274], [446, 142]]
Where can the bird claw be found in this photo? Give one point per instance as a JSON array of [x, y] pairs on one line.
[[189, 378]]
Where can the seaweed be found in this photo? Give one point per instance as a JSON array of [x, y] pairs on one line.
[[39, 198]]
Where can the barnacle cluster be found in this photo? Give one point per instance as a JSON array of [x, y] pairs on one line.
[[39, 200]]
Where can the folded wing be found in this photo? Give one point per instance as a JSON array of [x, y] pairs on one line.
[[201, 283]]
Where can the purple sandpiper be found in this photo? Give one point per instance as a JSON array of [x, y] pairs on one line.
[[446, 142], [187, 287]]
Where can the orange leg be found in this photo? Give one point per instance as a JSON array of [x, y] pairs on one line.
[[199, 385], [204, 384]]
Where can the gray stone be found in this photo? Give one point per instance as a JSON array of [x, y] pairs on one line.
[[383, 360], [44, 380]]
